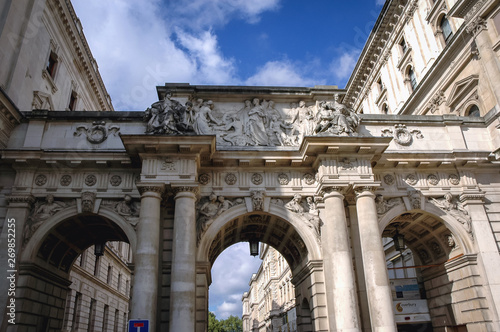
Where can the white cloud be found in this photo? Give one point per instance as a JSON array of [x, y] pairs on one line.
[[379, 2], [231, 274], [141, 44], [342, 66], [279, 73]]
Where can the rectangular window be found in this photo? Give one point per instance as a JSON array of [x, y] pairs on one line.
[[97, 265], [403, 45], [110, 275], [76, 307], [115, 324], [52, 64], [90, 327], [118, 286], [105, 318], [72, 101]]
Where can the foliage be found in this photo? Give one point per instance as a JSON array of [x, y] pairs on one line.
[[231, 324]]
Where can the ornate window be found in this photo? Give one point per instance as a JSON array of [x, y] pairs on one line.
[[385, 109], [52, 64], [412, 78], [445, 27], [473, 111]]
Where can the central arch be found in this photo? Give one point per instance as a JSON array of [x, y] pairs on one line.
[[290, 234]]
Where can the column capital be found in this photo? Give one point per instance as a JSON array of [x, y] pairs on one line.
[[143, 188], [186, 189], [476, 26], [333, 190], [365, 189]]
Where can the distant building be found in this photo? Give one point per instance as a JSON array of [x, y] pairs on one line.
[[99, 294], [269, 304]]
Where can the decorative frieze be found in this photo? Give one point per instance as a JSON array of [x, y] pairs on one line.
[[383, 205], [258, 122]]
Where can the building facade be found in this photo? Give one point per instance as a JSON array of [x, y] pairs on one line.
[[409, 148], [269, 304]]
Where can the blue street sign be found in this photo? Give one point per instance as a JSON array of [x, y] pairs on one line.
[[138, 325]]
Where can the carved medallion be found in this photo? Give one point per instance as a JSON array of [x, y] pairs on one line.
[[411, 179], [41, 180], [230, 179], [402, 135], [115, 180], [65, 180], [257, 179], [454, 179], [204, 178], [309, 179], [283, 179], [98, 133], [432, 179], [167, 165], [90, 180], [389, 179]]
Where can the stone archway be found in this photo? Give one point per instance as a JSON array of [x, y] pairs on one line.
[[446, 265], [288, 233], [48, 256]]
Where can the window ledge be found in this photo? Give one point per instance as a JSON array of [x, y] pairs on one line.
[[48, 78]]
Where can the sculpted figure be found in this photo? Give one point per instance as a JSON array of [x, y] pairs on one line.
[[207, 212], [237, 136], [41, 213], [258, 200], [295, 204], [204, 119], [385, 205], [224, 204], [335, 118], [256, 127], [126, 208], [455, 209], [276, 131]]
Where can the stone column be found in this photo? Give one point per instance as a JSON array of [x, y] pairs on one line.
[[338, 266], [183, 277], [488, 58], [487, 251], [376, 277], [15, 219], [146, 257]]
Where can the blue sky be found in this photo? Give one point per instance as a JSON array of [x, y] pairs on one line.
[[141, 44]]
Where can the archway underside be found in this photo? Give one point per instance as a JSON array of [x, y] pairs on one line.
[[424, 234], [264, 228], [70, 238]]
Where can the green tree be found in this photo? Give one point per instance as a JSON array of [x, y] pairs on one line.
[[231, 324]]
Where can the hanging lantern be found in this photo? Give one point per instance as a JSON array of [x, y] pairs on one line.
[[254, 247], [399, 241], [99, 248]]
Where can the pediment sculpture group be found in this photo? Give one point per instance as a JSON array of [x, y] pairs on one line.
[[257, 123]]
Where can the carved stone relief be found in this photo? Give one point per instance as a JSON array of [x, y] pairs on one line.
[[308, 211], [65, 180], [98, 132], [383, 205], [454, 208], [402, 135], [255, 123], [88, 200], [41, 212], [204, 178], [40, 180], [211, 207]]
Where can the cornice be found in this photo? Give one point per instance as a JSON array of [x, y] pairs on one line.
[[63, 9]]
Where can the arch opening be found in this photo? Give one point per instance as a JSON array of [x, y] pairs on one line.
[[431, 274]]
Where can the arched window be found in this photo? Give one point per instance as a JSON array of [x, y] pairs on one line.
[[474, 111], [446, 29], [413, 79], [385, 109]]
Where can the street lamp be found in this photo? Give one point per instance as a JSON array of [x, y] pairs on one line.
[[99, 248], [399, 240], [254, 247]]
